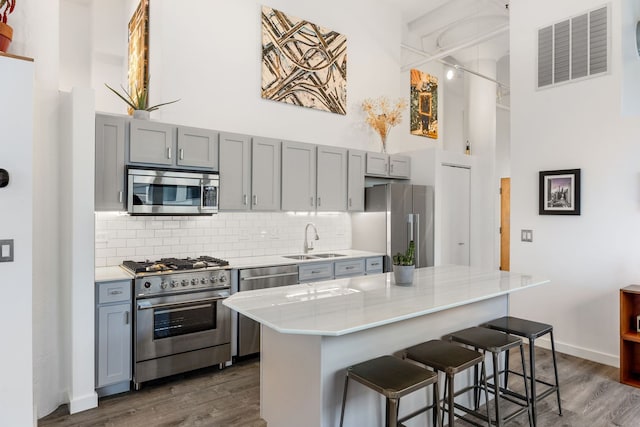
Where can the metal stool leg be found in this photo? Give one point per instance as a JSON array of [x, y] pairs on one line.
[[436, 406], [555, 370], [526, 387], [486, 392], [391, 413], [344, 398], [452, 413], [496, 386], [532, 369]]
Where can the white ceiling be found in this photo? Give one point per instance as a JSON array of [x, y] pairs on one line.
[[459, 31]]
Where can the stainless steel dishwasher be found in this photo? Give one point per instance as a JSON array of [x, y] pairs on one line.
[[260, 278]]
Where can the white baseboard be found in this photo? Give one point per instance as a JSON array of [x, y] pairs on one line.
[[584, 353], [82, 403]]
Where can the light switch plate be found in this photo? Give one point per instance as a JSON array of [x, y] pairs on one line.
[[526, 235], [6, 250]]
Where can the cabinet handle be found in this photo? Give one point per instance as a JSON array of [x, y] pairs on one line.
[[386, 167], [315, 272], [182, 154], [311, 201], [115, 292], [390, 167], [126, 317], [319, 201], [255, 199], [119, 196], [168, 152], [244, 199], [375, 263], [350, 267], [350, 203]]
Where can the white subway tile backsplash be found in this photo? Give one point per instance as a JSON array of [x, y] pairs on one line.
[[224, 235]]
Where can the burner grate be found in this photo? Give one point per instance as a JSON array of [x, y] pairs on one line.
[[165, 264]]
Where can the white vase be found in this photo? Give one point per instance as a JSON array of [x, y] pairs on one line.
[[141, 114], [403, 274]]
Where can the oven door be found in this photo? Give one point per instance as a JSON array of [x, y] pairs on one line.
[[180, 323], [158, 192]]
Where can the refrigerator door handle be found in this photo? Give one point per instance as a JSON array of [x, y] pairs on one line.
[[416, 239]]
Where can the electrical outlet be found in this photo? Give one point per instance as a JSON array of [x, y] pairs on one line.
[[6, 250], [526, 235]]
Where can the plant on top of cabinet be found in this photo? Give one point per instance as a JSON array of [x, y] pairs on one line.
[[6, 31], [138, 100], [381, 117]]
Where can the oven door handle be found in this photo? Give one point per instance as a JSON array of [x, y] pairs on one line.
[[146, 305]]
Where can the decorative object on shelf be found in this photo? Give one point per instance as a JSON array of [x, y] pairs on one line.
[[404, 265], [4, 178], [424, 104], [139, 47], [6, 31], [138, 100], [382, 117], [467, 148], [560, 192], [302, 63]]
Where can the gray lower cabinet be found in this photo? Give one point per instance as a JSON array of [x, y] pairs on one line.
[[349, 267], [374, 265], [235, 171], [113, 337], [298, 176], [314, 272], [331, 178], [355, 181], [110, 161]]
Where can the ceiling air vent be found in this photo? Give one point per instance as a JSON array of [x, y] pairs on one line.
[[573, 48]]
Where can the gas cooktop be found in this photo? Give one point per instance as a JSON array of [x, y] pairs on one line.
[[174, 264]]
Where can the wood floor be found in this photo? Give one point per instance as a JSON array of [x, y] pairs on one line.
[[591, 397]]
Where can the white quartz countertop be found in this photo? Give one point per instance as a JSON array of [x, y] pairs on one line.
[[111, 274], [269, 260], [343, 306]]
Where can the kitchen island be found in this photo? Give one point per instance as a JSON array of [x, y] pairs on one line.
[[312, 332]]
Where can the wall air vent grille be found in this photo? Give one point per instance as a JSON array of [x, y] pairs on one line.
[[574, 48]]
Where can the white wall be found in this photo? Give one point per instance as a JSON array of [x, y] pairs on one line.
[[578, 125], [16, 278]]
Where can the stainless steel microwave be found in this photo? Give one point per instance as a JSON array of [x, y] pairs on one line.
[[171, 192]]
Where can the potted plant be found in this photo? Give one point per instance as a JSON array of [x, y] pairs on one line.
[[6, 32], [138, 100], [404, 265]]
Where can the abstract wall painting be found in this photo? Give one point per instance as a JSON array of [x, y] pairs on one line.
[[424, 105], [302, 63], [139, 48]]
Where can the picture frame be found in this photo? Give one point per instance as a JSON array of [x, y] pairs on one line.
[[138, 57], [559, 192]]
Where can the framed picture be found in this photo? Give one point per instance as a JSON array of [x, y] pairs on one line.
[[139, 48], [560, 192]]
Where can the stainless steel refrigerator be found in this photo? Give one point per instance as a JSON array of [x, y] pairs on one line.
[[394, 215]]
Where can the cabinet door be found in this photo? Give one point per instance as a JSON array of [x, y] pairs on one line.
[[351, 267], [235, 164], [109, 184], [298, 176], [114, 344], [374, 265], [197, 148], [399, 166], [315, 272], [355, 187], [265, 174], [151, 142], [331, 179], [377, 164]]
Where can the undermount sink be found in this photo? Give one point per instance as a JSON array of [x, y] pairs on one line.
[[299, 257], [328, 255]]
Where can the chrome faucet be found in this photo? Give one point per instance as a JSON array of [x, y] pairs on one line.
[[308, 246]]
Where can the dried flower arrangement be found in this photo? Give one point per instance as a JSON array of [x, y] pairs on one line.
[[382, 117], [6, 31]]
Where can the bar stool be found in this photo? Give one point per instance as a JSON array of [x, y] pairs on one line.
[[451, 359], [530, 330], [496, 342], [393, 378]]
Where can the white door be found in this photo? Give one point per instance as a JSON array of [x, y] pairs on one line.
[[455, 197]]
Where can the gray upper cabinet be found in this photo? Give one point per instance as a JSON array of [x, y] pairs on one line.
[[355, 181], [266, 155], [197, 148], [391, 166], [331, 179], [110, 149], [151, 142], [235, 173], [298, 176], [399, 166], [377, 164]]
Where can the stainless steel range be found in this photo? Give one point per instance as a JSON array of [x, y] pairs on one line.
[[180, 323]]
